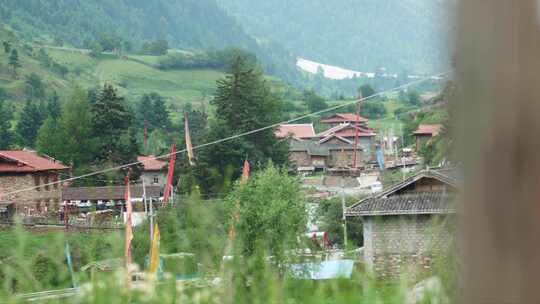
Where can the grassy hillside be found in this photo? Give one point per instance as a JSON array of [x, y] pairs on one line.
[[132, 78]]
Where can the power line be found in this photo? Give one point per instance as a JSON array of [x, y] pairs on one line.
[[398, 88]]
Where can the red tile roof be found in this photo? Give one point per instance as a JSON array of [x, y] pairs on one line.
[[432, 130], [27, 161], [150, 163], [344, 117], [348, 130], [300, 131]]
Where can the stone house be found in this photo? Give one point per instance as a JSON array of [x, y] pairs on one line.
[[28, 171], [154, 171], [407, 227], [426, 132]]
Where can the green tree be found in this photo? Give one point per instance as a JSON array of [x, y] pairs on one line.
[[152, 109], [50, 138], [373, 109], [271, 213], [30, 120], [34, 86], [330, 213], [77, 130], [7, 46], [243, 102], [54, 110], [314, 102], [14, 60], [6, 135], [413, 97], [111, 119], [366, 90]]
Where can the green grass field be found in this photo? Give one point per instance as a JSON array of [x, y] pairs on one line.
[[389, 121], [133, 76]]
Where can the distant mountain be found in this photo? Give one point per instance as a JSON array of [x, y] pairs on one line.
[[401, 35], [188, 24]]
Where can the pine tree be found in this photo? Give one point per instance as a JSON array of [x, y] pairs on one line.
[[7, 47], [54, 110], [153, 110], [30, 121], [14, 60], [243, 102], [6, 135], [111, 119], [49, 138], [161, 114], [77, 130]]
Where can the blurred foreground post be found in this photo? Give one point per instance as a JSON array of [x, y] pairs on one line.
[[498, 72]]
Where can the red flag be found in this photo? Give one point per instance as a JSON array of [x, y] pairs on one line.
[[189, 147], [129, 222], [145, 133], [168, 186], [246, 171]]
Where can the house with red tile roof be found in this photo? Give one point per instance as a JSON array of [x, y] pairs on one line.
[[344, 118], [425, 132], [154, 171], [36, 177], [295, 131]]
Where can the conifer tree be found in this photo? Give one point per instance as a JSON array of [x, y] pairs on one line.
[[30, 120], [49, 138], [243, 102], [77, 130], [6, 135], [14, 60], [111, 121]]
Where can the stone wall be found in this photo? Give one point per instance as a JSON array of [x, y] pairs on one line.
[[41, 200], [154, 178], [397, 245]]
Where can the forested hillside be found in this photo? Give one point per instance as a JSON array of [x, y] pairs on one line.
[[128, 24], [185, 23], [401, 35]]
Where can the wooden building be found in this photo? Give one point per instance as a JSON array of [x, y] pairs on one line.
[[424, 133], [405, 227], [344, 118], [334, 148], [31, 174]]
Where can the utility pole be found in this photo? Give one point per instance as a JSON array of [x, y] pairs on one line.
[[344, 218], [402, 147], [355, 148]]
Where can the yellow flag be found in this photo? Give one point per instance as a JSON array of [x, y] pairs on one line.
[[189, 146], [154, 251]]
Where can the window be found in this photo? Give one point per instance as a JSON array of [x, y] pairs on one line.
[[46, 182], [156, 180], [37, 182], [54, 179]]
